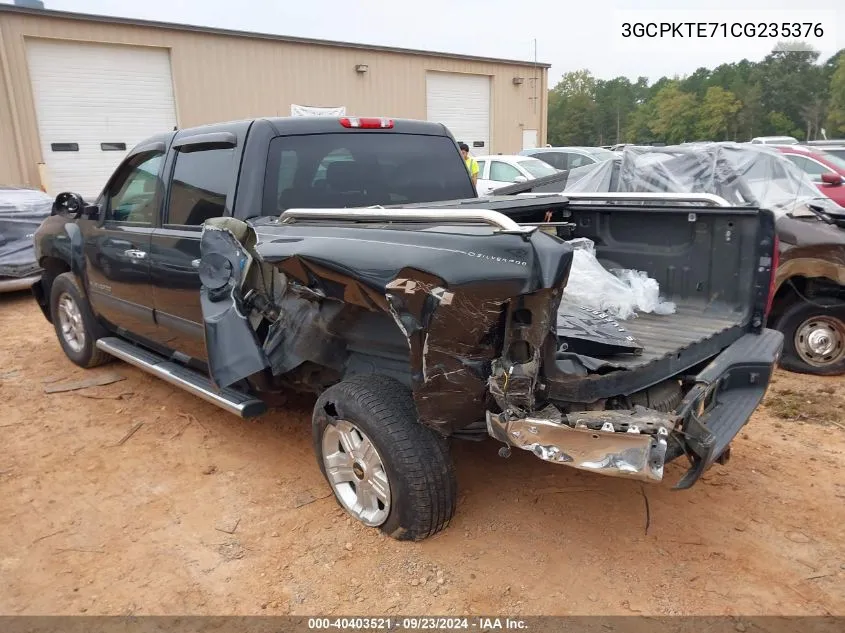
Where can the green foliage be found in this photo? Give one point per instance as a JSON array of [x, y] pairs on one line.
[[789, 92], [836, 107], [717, 115]]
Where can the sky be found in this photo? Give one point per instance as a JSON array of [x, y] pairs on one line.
[[570, 35]]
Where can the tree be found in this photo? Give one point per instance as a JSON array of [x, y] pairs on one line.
[[788, 78], [572, 110], [789, 92], [717, 114], [675, 113], [780, 124], [836, 109]]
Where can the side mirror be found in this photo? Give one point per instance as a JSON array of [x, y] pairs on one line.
[[832, 179], [91, 212], [68, 203], [520, 179]]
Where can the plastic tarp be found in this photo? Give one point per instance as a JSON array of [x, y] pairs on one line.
[[620, 293], [742, 174], [21, 212]]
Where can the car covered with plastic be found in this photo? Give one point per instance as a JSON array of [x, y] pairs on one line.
[[21, 212]]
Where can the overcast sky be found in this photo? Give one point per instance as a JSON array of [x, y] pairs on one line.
[[570, 34]]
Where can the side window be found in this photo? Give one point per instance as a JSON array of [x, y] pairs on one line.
[[577, 160], [811, 167], [555, 159], [482, 165], [134, 194], [502, 172], [200, 185]]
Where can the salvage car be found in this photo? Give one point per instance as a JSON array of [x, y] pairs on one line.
[[419, 313], [809, 300], [21, 212]]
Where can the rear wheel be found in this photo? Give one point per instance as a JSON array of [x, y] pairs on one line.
[[814, 337], [385, 468], [76, 327]]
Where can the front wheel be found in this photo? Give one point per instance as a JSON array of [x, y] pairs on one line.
[[814, 337], [76, 327], [385, 468]]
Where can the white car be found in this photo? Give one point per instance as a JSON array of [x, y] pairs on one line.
[[774, 140], [503, 170]]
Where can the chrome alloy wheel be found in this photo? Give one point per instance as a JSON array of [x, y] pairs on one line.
[[356, 472], [70, 320]]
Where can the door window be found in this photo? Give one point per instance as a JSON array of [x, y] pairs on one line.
[[811, 167], [502, 172], [578, 160], [201, 182], [482, 165], [555, 159], [134, 194]]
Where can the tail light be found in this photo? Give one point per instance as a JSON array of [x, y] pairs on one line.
[[775, 264], [367, 123]]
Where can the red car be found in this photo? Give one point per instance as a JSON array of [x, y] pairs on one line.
[[825, 170]]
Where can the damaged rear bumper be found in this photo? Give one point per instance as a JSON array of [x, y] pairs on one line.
[[638, 443]]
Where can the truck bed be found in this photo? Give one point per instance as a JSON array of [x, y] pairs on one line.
[[667, 335]]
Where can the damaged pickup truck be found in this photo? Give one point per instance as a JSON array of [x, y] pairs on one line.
[[240, 260]]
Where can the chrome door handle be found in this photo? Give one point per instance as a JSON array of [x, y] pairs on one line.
[[195, 263], [134, 253]]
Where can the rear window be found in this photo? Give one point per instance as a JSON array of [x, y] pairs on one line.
[[359, 169]]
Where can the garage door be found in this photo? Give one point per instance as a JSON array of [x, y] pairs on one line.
[[93, 103], [462, 104]]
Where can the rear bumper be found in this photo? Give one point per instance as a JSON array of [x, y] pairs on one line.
[[637, 444]]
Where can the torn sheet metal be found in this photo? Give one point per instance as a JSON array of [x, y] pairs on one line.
[[446, 302], [631, 454]]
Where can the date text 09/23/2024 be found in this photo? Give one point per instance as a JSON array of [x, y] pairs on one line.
[[417, 624]]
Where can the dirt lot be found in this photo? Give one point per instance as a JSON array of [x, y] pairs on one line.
[[198, 512]]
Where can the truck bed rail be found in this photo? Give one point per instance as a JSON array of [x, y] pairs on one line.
[[480, 216]]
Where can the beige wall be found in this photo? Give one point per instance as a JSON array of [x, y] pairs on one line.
[[221, 77]]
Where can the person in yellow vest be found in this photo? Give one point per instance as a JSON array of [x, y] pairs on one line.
[[471, 163]]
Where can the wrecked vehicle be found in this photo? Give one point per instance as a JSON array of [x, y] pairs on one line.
[[809, 302], [22, 210], [252, 257]]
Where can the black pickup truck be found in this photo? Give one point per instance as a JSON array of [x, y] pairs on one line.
[[239, 260]]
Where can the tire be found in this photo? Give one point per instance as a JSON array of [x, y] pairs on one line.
[[823, 319], [77, 331], [663, 397], [410, 462]]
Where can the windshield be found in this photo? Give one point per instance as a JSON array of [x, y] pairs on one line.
[[838, 152], [361, 169], [537, 168], [831, 157]]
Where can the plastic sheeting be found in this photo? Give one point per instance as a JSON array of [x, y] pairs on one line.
[[21, 212], [620, 293], [743, 174]]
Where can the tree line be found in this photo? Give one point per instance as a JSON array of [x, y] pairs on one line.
[[790, 92]]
